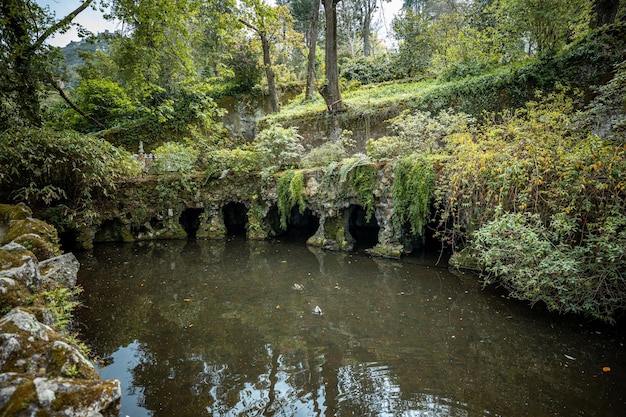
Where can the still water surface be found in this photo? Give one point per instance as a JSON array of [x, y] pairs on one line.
[[217, 328]]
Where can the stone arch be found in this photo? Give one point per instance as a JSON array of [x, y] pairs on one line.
[[302, 225], [110, 231], [364, 231], [190, 221], [235, 218], [299, 225]]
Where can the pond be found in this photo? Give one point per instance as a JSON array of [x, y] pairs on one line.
[[230, 328]]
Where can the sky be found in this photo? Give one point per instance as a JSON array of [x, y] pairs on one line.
[[89, 18], [93, 20]]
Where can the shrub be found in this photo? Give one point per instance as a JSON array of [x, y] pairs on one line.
[[417, 132], [533, 262], [561, 190], [279, 147], [175, 157], [43, 168], [237, 161]]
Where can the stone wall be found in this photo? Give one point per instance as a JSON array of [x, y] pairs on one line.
[[42, 371], [332, 215]]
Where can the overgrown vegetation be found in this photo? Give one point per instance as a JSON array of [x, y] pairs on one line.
[[413, 188], [45, 168], [543, 204]]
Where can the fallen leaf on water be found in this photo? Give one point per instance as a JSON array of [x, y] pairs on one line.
[[187, 299], [277, 307], [606, 369]]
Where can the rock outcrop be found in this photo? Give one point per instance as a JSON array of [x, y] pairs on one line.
[[42, 371]]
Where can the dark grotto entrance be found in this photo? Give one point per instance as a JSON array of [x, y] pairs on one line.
[[363, 230], [190, 221], [235, 218]]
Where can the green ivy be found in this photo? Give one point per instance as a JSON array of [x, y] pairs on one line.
[[290, 189], [362, 179], [413, 188]]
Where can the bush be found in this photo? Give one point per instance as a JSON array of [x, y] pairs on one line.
[[532, 261], [175, 157], [237, 161], [563, 195], [417, 132], [43, 168], [279, 147]]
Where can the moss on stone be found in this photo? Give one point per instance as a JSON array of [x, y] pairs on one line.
[[41, 248], [14, 212], [18, 228]]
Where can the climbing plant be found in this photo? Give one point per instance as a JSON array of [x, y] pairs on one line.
[[413, 188], [290, 189]]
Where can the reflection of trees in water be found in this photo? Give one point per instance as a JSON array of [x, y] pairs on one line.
[[394, 338]]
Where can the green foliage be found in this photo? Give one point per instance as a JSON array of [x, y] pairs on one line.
[[101, 99], [363, 180], [417, 132], [280, 147], [60, 302], [330, 151], [43, 168], [188, 112], [284, 200], [413, 187], [561, 189], [175, 157], [289, 188], [222, 162], [414, 43], [243, 61], [606, 114], [370, 70], [534, 263]]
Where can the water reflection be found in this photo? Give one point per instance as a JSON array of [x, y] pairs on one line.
[[217, 329]]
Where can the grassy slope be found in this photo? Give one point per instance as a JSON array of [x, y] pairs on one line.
[[584, 64]]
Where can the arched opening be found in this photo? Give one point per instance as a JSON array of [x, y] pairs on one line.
[[109, 231], [235, 218], [302, 225], [363, 230], [190, 221], [68, 240]]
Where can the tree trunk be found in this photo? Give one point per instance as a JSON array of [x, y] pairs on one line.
[[367, 23], [310, 78], [330, 91], [269, 72], [604, 12]]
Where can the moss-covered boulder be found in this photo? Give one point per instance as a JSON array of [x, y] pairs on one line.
[[28, 226], [10, 212], [42, 373]]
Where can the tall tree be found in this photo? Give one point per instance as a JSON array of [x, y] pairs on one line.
[[270, 23], [154, 51], [604, 12], [312, 45], [330, 90], [26, 62]]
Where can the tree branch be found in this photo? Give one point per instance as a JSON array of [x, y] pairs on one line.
[[77, 109], [58, 25]]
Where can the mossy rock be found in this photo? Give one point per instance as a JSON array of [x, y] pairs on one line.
[[10, 212], [43, 249], [387, 251], [29, 225], [466, 260]]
